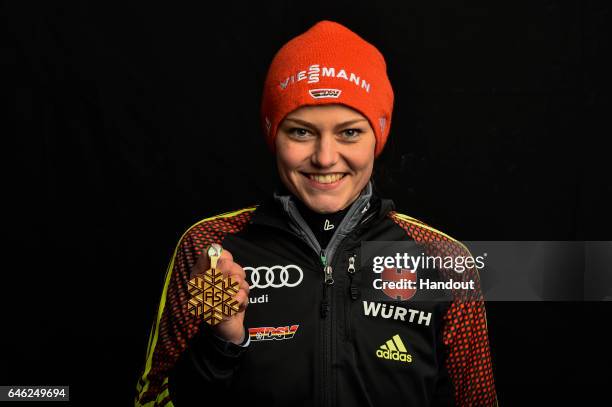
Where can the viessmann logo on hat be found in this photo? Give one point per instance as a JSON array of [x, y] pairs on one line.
[[315, 72]]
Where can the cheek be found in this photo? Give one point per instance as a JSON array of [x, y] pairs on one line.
[[284, 168], [365, 172], [363, 159], [364, 155], [288, 157]]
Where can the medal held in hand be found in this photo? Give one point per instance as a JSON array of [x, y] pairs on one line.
[[212, 294]]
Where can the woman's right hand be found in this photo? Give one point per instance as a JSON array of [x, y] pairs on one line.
[[231, 328]]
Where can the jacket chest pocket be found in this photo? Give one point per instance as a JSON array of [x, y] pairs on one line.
[[387, 324], [392, 338]]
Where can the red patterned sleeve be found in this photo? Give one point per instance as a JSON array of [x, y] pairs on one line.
[[469, 357], [174, 327], [464, 332]]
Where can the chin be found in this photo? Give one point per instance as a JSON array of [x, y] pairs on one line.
[[324, 206]]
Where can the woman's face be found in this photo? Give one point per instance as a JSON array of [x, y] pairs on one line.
[[325, 155]]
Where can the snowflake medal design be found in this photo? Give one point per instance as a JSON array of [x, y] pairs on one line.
[[212, 294]]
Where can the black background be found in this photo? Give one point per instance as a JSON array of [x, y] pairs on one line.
[[132, 119]]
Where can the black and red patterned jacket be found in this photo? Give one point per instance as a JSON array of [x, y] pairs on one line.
[[319, 336]]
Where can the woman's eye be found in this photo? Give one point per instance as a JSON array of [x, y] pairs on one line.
[[352, 133], [299, 132]]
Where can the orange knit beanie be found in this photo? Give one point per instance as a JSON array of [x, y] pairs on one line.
[[328, 64]]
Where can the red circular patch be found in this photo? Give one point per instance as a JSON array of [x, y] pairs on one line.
[[397, 275]]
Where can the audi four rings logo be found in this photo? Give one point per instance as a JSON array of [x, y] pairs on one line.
[[275, 276]]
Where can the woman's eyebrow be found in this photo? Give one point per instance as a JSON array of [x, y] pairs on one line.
[[305, 123]]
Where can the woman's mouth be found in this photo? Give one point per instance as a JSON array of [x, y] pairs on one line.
[[326, 178], [325, 181]]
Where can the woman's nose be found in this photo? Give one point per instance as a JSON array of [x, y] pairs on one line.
[[326, 152]]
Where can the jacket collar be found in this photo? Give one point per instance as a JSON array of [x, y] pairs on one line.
[[277, 210]]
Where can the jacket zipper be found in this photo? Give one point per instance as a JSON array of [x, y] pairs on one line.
[[325, 309], [353, 290], [326, 306], [326, 302], [353, 294], [328, 389], [327, 283]]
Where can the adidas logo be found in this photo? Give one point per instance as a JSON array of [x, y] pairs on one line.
[[394, 349]]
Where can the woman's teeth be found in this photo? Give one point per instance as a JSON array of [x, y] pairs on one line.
[[327, 178]]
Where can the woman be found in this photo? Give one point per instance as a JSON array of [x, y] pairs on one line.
[[311, 335]]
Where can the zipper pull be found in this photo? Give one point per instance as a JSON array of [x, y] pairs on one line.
[[351, 266], [354, 291], [329, 278], [327, 283]]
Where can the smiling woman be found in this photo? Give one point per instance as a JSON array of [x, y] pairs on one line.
[[312, 338], [327, 161]]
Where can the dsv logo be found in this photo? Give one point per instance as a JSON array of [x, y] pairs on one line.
[[275, 276]]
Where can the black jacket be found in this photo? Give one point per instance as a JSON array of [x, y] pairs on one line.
[[319, 334]]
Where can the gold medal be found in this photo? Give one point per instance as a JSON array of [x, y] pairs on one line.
[[211, 294]]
